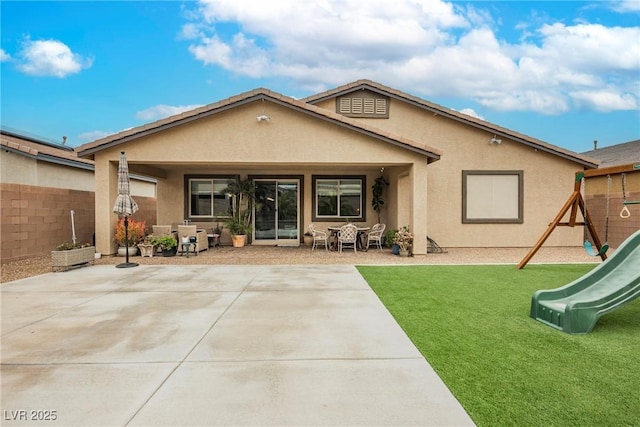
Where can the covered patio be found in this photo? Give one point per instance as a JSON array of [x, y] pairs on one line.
[[310, 165]]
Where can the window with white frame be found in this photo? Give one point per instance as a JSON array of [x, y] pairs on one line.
[[339, 197], [207, 198], [492, 197]]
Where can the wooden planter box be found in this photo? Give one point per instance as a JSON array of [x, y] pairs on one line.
[[72, 258]]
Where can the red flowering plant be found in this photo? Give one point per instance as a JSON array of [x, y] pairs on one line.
[[135, 232]]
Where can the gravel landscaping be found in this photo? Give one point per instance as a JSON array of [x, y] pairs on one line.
[[248, 255]]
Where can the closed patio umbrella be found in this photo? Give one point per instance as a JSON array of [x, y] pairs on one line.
[[125, 206]]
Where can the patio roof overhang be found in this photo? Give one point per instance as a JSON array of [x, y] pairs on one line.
[[89, 150]]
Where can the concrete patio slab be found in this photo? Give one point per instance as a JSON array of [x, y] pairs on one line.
[[193, 278], [78, 394], [119, 327], [284, 325], [212, 345], [26, 309], [392, 392], [300, 277]]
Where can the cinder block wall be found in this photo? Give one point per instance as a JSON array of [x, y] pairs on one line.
[[34, 220], [619, 228]]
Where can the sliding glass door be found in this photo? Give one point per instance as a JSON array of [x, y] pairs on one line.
[[276, 218]]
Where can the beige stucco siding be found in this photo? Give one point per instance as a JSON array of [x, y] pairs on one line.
[[548, 179], [237, 137], [234, 142], [18, 169]]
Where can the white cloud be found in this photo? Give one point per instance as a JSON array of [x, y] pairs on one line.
[[624, 6], [4, 56], [605, 100], [434, 48], [161, 111], [471, 112], [93, 135], [51, 58]]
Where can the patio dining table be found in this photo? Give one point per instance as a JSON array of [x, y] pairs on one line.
[[362, 232]]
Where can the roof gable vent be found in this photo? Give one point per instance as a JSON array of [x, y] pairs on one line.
[[363, 104]]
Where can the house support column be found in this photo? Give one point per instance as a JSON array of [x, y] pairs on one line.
[[419, 207], [106, 182]]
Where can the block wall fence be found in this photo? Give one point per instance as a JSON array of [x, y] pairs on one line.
[[34, 220], [619, 228]]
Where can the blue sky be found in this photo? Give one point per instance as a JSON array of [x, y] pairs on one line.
[[566, 72]]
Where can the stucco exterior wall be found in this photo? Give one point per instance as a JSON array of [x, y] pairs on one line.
[[19, 169], [234, 142], [548, 180]]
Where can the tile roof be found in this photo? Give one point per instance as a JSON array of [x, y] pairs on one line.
[[614, 155], [42, 150], [88, 150], [455, 115]]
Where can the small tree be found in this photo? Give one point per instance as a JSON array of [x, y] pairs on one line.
[[243, 192], [377, 190], [135, 232]]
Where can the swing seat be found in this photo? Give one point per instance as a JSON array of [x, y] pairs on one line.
[[592, 251]]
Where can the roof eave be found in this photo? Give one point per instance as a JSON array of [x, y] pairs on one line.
[[456, 116], [261, 94], [51, 159]]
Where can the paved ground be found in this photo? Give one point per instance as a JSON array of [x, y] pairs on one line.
[[211, 344]]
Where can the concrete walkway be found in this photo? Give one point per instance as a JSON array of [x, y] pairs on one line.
[[211, 345]]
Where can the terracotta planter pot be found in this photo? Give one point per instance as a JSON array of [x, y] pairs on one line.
[[238, 240], [308, 240]]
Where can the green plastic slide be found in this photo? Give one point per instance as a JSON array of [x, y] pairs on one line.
[[576, 307]]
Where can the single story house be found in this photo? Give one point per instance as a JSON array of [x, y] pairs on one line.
[[41, 182], [462, 181]]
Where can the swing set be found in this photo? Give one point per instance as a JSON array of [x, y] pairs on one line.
[[577, 202]]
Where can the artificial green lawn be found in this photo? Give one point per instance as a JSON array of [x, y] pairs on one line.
[[472, 324]]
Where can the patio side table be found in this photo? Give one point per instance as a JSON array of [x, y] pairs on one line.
[[214, 240], [185, 247]]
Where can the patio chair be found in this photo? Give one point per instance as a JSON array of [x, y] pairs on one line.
[[376, 236], [348, 236], [162, 230], [319, 237], [189, 232]]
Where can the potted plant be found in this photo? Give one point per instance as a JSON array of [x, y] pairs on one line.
[[167, 244], [404, 239], [135, 234], [308, 238], [377, 189], [147, 247], [389, 235], [69, 254], [240, 222], [239, 231]]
